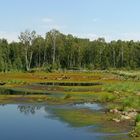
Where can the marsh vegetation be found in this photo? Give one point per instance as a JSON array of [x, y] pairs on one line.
[[119, 96]]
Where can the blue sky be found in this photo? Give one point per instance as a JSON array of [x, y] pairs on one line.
[[112, 19]]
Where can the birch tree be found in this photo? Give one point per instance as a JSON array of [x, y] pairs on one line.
[[27, 39], [52, 36]]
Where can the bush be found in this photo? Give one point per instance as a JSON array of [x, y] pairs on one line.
[[137, 118], [67, 96], [128, 102], [105, 97], [133, 102]]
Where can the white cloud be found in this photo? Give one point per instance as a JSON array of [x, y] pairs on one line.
[[47, 20]]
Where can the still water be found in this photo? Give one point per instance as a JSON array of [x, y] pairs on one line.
[[39, 122]]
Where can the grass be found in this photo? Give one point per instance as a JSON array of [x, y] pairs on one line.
[[128, 75], [114, 88], [122, 86], [5, 99]]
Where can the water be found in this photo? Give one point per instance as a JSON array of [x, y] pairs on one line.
[[37, 122], [71, 83]]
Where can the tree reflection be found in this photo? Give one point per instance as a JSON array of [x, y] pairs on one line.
[[29, 109]]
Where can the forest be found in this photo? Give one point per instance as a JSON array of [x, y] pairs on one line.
[[59, 51]]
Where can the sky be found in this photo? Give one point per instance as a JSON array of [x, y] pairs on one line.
[[111, 19]]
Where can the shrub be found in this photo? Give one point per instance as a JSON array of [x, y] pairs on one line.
[[137, 118], [67, 96]]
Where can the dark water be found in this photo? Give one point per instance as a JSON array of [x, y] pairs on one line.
[[70, 83], [37, 122]]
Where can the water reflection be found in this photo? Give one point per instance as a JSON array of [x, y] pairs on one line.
[[42, 121], [33, 108], [94, 106], [29, 109]]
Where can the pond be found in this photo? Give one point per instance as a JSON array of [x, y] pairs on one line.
[[49, 122]]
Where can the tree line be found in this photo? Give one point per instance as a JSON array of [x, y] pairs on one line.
[[60, 51]]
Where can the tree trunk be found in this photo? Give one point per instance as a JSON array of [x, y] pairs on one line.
[[122, 53], [26, 59], [39, 58], [114, 57], [30, 60], [54, 50]]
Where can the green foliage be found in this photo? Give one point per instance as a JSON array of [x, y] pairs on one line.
[[131, 102], [107, 97], [67, 96], [128, 102], [90, 67], [124, 86], [48, 68], [137, 118], [16, 81]]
